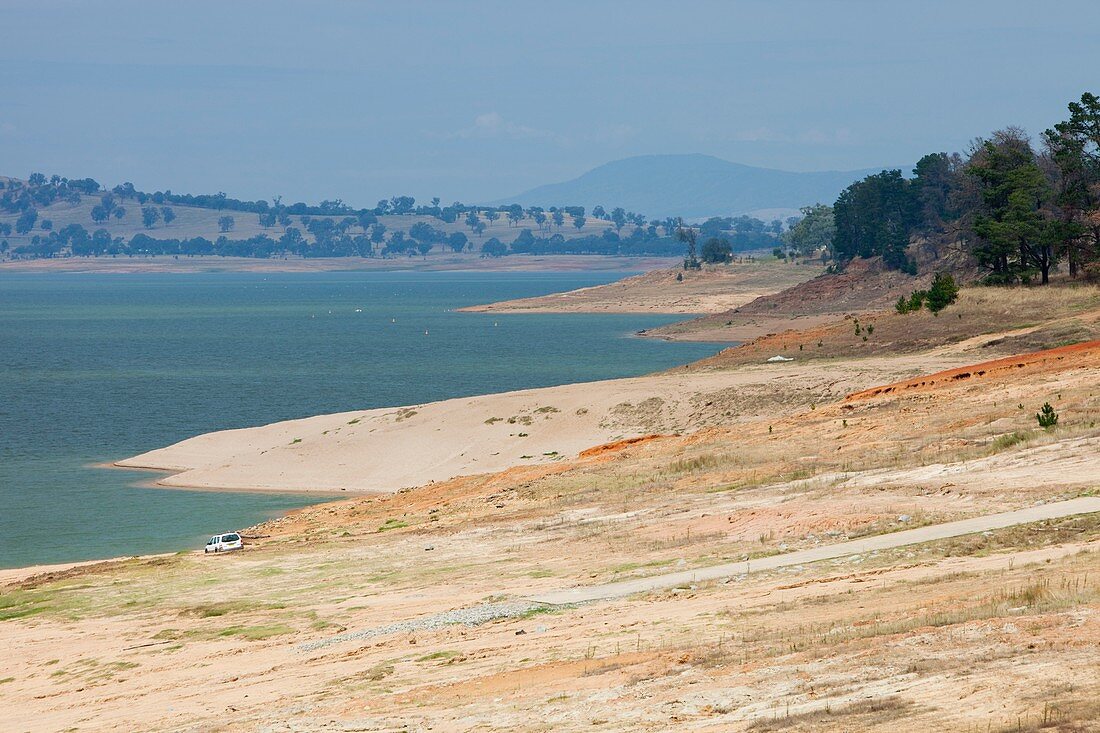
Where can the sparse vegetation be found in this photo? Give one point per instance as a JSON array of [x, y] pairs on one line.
[[392, 524]]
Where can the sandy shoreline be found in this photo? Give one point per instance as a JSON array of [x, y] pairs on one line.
[[13, 576], [711, 290], [388, 449]]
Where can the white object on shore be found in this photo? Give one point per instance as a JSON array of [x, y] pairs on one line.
[[224, 542], [780, 358]]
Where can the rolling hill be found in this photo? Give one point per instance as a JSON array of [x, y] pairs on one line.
[[694, 186]]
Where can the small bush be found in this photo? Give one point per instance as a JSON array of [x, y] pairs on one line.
[[914, 303], [944, 292], [1047, 417]]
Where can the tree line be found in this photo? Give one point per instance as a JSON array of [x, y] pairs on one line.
[[1017, 208], [39, 191], [361, 233]]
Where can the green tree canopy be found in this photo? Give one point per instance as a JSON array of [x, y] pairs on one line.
[[813, 232]]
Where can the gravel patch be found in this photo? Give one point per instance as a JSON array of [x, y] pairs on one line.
[[473, 616]]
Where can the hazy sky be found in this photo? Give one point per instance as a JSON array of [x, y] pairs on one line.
[[474, 101]]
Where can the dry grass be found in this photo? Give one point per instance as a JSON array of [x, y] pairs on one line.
[[1047, 316], [862, 714]]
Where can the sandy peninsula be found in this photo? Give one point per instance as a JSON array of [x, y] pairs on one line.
[[388, 449], [713, 289]]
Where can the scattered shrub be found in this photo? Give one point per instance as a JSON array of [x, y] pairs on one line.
[[1047, 417], [944, 292]]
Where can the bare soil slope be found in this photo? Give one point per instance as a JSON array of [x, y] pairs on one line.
[[993, 320]]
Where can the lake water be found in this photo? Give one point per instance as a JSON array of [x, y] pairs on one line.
[[98, 367]]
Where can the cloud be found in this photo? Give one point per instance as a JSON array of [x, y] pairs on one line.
[[493, 125]]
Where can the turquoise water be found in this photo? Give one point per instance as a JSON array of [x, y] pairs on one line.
[[95, 368]]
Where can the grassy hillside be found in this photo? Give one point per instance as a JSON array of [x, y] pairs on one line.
[[58, 218], [192, 221]]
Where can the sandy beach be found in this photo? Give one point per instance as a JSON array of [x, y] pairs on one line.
[[388, 449]]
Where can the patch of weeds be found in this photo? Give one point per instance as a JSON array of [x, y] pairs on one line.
[[268, 572], [392, 524], [377, 673], [92, 670], [687, 465], [1066, 716], [1045, 533], [539, 611], [296, 441], [1004, 442], [444, 654], [627, 567], [547, 410], [214, 610], [865, 712], [355, 421], [19, 604], [494, 420], [257, 633]]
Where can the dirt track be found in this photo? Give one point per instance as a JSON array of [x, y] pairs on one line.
[[1084, 505]]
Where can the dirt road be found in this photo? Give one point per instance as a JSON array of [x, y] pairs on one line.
[[584, 594]]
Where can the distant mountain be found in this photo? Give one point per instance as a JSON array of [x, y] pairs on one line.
[[692, 186]]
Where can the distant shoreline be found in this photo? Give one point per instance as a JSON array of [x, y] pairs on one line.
[[437, 262]]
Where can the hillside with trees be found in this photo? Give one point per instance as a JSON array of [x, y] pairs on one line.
[[53, 217], [1008, 209]]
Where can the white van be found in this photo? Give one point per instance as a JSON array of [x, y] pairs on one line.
[[224, 542]]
